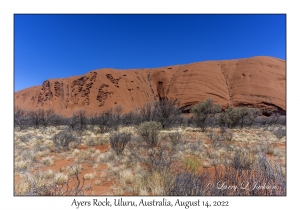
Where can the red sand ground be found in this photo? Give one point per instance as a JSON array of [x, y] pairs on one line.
[[107, 183]]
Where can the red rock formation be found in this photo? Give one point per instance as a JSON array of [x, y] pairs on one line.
[[254, 82]]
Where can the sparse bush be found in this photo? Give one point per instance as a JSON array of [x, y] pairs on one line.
[[64, 138], [175, 137], [279, 132], [203, 111], [149, 131], [119, 140]]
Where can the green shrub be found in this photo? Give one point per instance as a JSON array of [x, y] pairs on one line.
[[234, 117], [203, 111], [191, 164], [149, 131]]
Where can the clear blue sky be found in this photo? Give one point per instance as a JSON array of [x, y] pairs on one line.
[[58, 46]]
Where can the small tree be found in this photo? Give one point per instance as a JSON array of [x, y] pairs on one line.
[[203, 111]]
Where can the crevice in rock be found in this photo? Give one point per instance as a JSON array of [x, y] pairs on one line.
[[227, 85], [171, 81]]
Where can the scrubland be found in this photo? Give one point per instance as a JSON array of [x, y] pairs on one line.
[[238, 152]]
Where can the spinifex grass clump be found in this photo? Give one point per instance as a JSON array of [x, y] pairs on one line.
[[119, 140]]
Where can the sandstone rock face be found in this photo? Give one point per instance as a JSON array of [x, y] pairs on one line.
[[254, 82]]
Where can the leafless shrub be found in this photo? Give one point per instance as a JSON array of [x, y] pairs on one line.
[[58, 120], [72, 122], [103, 120], [117, 119], [263, 178], [46, 116], [159, 158], [147, 112], [167, 113], [189, 184], [81, 120], [62, 185], [268, 174], [21, 119], [119, 140], [242, 160]]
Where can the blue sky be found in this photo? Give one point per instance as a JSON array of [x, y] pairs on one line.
[[58, 46]]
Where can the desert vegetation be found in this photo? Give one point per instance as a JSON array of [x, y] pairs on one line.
[[157, 150]]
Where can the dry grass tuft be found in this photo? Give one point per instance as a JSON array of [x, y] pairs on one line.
[[48, 161], [60, 178], [89, 176]]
